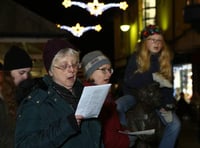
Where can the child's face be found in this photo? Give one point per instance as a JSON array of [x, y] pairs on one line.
[[154, 43]]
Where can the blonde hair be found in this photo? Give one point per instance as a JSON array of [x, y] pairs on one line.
[[165, 58]]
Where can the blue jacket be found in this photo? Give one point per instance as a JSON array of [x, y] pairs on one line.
[[138, 80], [46, 119]]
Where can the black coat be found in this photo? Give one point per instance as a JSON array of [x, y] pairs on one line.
[[7, 127], [46, 119]]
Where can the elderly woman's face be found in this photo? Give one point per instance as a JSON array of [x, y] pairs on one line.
[[102, 74], [64, 71]]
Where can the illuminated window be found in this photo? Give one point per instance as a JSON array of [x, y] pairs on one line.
[[149, 12], [183, 80]]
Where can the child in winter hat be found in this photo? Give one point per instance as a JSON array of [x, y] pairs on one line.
[[92, 61]]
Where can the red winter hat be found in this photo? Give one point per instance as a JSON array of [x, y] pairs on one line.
[[52, 47]]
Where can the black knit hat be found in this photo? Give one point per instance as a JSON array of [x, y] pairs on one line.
[[51, 48], [16, 58]]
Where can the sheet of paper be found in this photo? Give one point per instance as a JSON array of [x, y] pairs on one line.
[[92, 100], [161, 80], [144, 132]]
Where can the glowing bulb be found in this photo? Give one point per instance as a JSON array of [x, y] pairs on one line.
[[125, 28]]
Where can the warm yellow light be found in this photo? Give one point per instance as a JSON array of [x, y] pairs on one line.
[[67, 3], [95, 7], [123, 5], [98, 28], [125, 28], [77, 29]]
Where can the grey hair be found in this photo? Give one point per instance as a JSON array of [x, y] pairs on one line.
[[66, 51]]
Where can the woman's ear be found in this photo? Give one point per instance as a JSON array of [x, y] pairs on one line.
[[50, 73]]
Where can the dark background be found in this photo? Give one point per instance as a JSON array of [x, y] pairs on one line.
[[54, 11]]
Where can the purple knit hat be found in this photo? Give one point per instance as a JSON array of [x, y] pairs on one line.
[[52, 47]]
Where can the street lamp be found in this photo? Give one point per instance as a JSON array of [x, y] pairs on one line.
[[125, 28]]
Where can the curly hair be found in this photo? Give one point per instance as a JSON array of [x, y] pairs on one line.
[[8, 92], [165, 58]]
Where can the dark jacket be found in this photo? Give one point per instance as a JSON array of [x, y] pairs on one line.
[[7, 127], [138, 80], [46, 119]]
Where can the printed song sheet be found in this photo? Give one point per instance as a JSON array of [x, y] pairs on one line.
[[92, 100]]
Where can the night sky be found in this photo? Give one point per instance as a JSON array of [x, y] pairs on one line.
[[55, 12]]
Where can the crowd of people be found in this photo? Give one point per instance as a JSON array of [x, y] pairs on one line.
[[40, 112]]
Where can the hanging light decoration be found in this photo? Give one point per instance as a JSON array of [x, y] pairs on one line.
[[79, 30], [95, 8]]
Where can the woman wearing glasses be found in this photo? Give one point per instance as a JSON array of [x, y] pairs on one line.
[[46, 117], [97, 71], [152, 58]]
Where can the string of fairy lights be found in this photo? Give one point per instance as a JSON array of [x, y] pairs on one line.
[[95, 8]]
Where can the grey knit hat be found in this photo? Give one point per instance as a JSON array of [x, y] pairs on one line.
[[92, 61]]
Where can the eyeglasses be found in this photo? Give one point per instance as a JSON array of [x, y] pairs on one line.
[[155, 41], [105, 70], [67, 67]]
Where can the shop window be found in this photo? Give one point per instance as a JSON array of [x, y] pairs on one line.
[[149, 12], [183, 80]]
